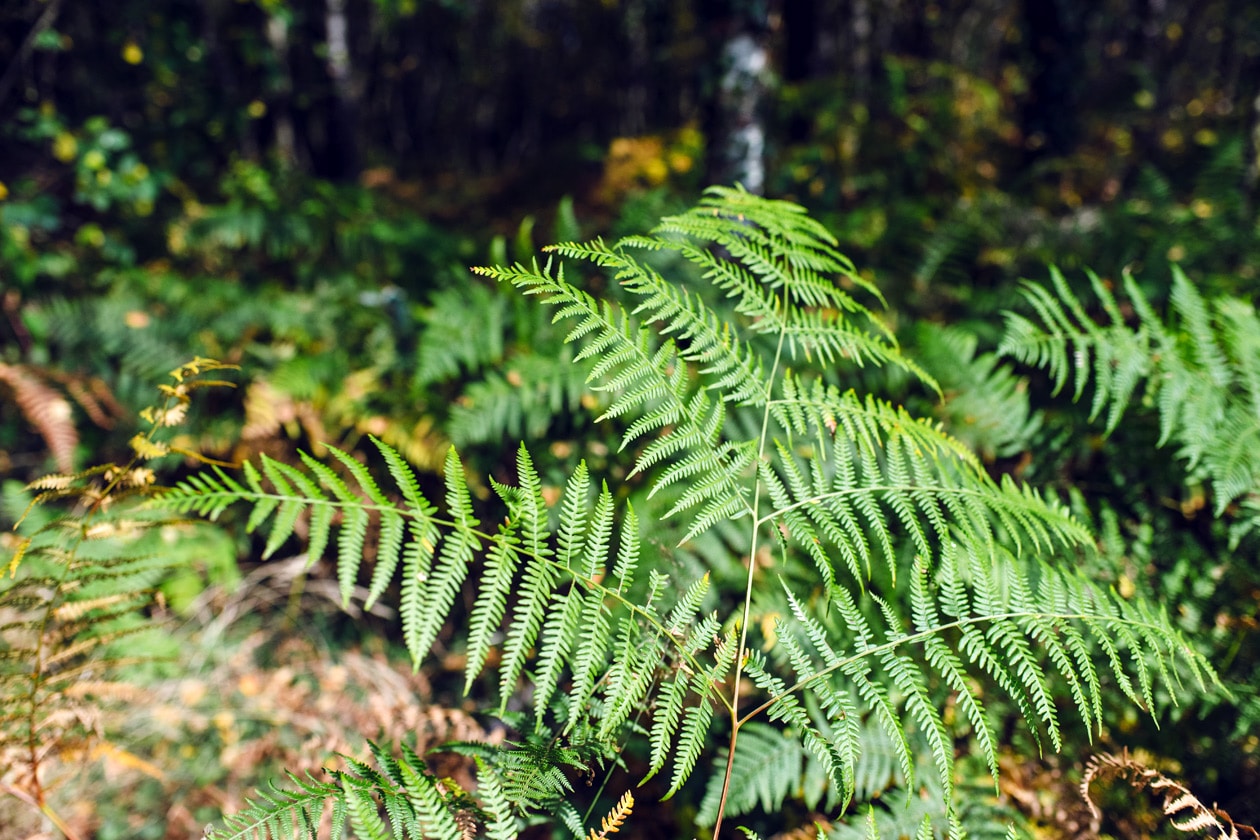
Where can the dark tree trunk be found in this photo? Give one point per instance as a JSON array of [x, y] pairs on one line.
[[799, 62], [282, 90], [1055, 31], [17, 64], [343, 158]]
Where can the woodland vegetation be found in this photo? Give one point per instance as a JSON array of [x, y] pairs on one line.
[[399, 437]]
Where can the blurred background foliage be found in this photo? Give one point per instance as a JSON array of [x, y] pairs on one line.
[[297, 187]]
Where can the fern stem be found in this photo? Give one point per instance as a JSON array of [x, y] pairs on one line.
[[866, 489], [736, 721]]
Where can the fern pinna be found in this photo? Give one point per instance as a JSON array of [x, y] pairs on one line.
[[905, 577]]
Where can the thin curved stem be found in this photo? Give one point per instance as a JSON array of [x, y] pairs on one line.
[[736, 722]]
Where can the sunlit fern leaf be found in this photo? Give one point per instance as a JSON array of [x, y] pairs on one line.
[[944, 661], [836, 759], [591, 648], [576, 620], [730, 439], [692, 735], [537, 581], [996, 634], [693, 729], [629, 678], [365, 816], [644, 377], [491, 602], [433, 816], [703, 337], [560, 630], [666, 718], [528, 591], [426, 603]]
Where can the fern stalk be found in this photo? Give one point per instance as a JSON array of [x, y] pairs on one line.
[[736, 721]]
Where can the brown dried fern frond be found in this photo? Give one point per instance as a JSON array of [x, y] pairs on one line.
[[74, 596], [1185, 811], [91, 394], [611, 824], [45, 409]]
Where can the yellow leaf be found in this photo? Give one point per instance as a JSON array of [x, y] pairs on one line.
[[119, 756], [65, 147], [147, 449]]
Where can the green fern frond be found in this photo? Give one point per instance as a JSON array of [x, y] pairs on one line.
[[463, 332], [769, 768], [892, 666], [985, 403], [501, 824], [521, 401], [540, 597], [281, 814], [730, 412], [1201, 368], [391, 799]]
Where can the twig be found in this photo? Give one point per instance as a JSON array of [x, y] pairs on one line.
[[24, 52]]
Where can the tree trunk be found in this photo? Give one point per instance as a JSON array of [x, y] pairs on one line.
[[737, 131], [14, 70], [343, 158], [1055, 30], [282, 92]]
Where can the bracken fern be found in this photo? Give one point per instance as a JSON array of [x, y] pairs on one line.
[[1200, 367], [74, 594], [908, 577]]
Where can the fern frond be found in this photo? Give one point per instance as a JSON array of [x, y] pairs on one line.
[[1183, 810], [75, 595], [991, 633], [985, 403], [426, 603], [889, 470], [280, 814], [749, 453], [392, 799], [464, 330], [521, 401], [646, 377], [768, 769], [611, 823], [45, 409], [501, 825], [1201, 367]]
